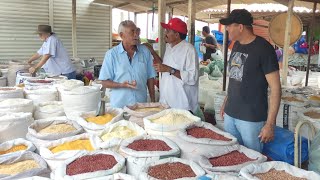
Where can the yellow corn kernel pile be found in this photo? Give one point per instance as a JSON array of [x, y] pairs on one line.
[[57, 128], [14, 149], [101, 120], [81, 144], [122, 132]]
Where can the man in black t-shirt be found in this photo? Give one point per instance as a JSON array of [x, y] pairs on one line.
[[253, 67], [210, 43]]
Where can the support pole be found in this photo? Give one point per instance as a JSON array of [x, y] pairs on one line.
[[191, 20], [74, 28], [225, 50], [161, 18]]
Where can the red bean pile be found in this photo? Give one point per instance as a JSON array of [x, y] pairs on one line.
[[200, 132], [170, 171], [40, 81], [91, 163], [230, 159], [275, 174], [149, 145], [7, 89]]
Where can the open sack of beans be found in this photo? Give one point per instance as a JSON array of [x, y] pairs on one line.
[[112, 136], [16, 146], [22, 165], [206, 133], [48, 110], [40, 94], [16, 105], [171, 168], [312, 115], [231, 160], [44, 131], [55, 152], [140, 110], [10, 92], [14, 125], [95, 124], [276, 170], [38, 82], [142, 150], [89, 165], [168, 122], [314, 100]]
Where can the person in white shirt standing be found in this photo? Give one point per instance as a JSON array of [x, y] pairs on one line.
[[55, 59], [179, 83]]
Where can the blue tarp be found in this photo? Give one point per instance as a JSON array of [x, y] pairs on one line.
[[197, 42]]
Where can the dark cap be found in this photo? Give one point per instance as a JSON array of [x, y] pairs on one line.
[[44, 29], [239, 16]]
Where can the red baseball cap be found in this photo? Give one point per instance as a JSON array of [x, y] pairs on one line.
[[176, 24]]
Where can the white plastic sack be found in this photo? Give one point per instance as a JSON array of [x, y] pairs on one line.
[[136, 160], [16, 105], [14, 67], [22, 77], [41, 170], [10, 92], [3, 81], [38, 82], [9, 144], [183, 135], [315, 122], [67, 85], [14, 125], [114, 143], [116, 176], [35, 178], [60, 172], [42, 139], [48, 110], [137, 117], [55, 159], [167, 130], [206, 87], [194, 166], [207, 166], [94, 128], [218, 102], [81, 99], [41, 95], [248, 171]]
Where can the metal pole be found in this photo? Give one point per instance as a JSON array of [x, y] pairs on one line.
[[161, 18], [191, 20], [225, 50], [74, 28]]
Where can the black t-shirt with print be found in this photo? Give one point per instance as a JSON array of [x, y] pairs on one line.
[[248, 88]]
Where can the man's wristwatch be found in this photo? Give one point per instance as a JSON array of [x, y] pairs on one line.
[[172, 71]]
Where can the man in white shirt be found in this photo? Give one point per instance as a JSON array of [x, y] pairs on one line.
[[179, 83]]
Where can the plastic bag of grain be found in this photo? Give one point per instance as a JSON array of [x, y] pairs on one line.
[[141, 150], [10, 92], [38, 82], [48, 110], [22, 77], [206, 133], [14, 125], [276, 170], [90, 165], [56, 152], [206, 87], [14, 67], [16, 105], [39, 94], [43, 131], [312, 115], [218, 102], [22, 165], [95, 124], [112, 136], [67, 85], [168, 122], [16, 146], [171, 168], [140, 110], [231, 160], [81, 99], [3, 81]]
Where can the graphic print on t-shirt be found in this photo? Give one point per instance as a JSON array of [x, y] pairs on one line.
[[236, 63]]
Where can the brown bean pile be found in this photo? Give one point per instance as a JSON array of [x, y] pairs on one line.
[[312, 114], [230, 159], [291, 99], [40, 81], [91, 163], [170, 171], [279, 175], [200, 132], [149, 145], [7, 89]]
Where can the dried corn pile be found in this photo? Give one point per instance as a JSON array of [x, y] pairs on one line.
[[101, 119], [171, 171], [122, 132], [172, 119], [81, 144], [18, 167], [57, 128], [14, 149]]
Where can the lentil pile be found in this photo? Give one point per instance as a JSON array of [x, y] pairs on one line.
[[291, 99], [230, 159], [101, 120], [314, 98], [275, 174], [122, 132], [312, 114], [149, 145], [172, 119], [18, 167], [200, 132], [7, 89], [91, 163], [147, 109], [14, 149], [82, 144], [170, 171], [57, 128]]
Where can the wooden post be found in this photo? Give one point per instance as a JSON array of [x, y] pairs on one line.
[[161, 18], [191, 20], [225, 50], [286, 43], [311, 40], [135, 18], [74, 29], [51, 14], [147, 30], [170, 12]]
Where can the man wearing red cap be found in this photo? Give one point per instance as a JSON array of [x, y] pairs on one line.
[[179, 83]]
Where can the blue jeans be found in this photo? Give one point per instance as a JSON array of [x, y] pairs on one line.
[[246, 132], [71, 75]]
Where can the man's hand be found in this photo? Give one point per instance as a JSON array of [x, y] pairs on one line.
[[29, 62], [205, 44], [32, 70], [132, 85], [267, 133], [161, 67], [222, 112]]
